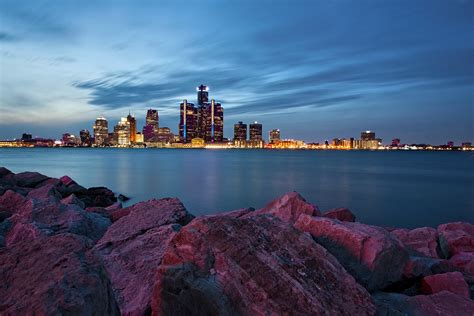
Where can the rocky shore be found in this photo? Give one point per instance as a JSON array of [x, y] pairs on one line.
[[70, 250]]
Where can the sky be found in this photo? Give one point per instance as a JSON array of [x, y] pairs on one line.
[[316, 70]]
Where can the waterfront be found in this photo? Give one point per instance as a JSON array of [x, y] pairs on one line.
[[406, 189]]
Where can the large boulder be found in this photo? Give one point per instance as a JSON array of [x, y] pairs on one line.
[[455, 238], [464, 261], [72, 199], [343, 214], [11, 201], [371, 254], [423, 266], [97, 196], [452, 282], [28, 179], [4, 172], [54, 275], [133, 248], [50, 217], [287, 208], [221, 265], [421, 241], [442, 304]]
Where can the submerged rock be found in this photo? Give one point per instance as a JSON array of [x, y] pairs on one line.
[[371, 254], [221, 265], [287, 208]]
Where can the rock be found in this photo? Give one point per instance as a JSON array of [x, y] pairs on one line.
[[443, 303], [49, 217], [342, 214], [11, 201], [29, 179], [72, 199], [371, 254], [114, 207], [421, 241], [52, 276], [4, 171], [423, 266], [236, 213], [67, 181], [47, 191], [253, 266], [452, 282], [98, 196], [455, 238], [464, 261], [133, 247], [287, 208], [123, 198]]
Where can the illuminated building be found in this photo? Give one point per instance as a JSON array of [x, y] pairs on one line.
[[395, 142], [164, 135], [348, 143], [255, 132], [133, 127], [198, 143], [152, 119], [148, 133], [450, 144], [367, 135], [101, 131], [122, 132], [274, 135], [240, 133], [466, 145], [187, 121], [202, 94], [139, 138], [85, 137], [214, 122]]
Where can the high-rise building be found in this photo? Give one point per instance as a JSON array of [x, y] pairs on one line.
[[202, 94], [122, 131], [187, 121], [367, 135], [274, 136], [101, 131], [26, 137], [164, 135], [85, 137], [240, 132], [255, 132], [152, 119], [214, 122], [133, 127]]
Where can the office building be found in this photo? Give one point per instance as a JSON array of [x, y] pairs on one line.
[[202, 95], [122, 132], [214, 123], [101, 131], [274, 136], [395, 142], [85, 137], [164, 135], [367, 135], [187, 121], [240, 132], [139, 138], [26, 137], [255, 132], [133, 127]]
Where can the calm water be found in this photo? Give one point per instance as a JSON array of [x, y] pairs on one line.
[[405, 189]]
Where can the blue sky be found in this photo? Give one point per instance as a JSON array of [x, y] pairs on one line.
[[315, 69]]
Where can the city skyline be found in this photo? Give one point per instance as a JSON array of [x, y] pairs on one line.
[[357, 68]]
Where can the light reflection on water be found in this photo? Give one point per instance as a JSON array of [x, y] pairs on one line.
[[405, 189]]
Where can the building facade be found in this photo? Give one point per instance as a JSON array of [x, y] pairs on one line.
[[133, 127], [274, 136], [122, 132], [187, 121], [101, 131], [85, 137], [255, 132]]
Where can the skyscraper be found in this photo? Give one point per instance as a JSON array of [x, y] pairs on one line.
[[133, 127], [152, 119], [187, 121], [274, 136], [101, 131], [214, 122], [202, 94], [85, 137], [255, 132], [367, 135], [240, 132], [122, 131]]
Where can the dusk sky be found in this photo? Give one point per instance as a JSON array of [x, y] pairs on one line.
[[315, 69]]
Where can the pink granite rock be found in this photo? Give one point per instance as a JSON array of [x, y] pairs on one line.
[[371, 254], [254, 266], [464, 261], [67, 181], [288, 208], [423, 266], [133, 247], [342, 214], [452, 282], [423, 240], [72, 199], [47, 191], [54, 275], [455, 238], [29, 179], [441, 304], [11, 201]]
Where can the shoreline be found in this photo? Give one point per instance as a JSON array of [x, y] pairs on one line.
[[156, 257]]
